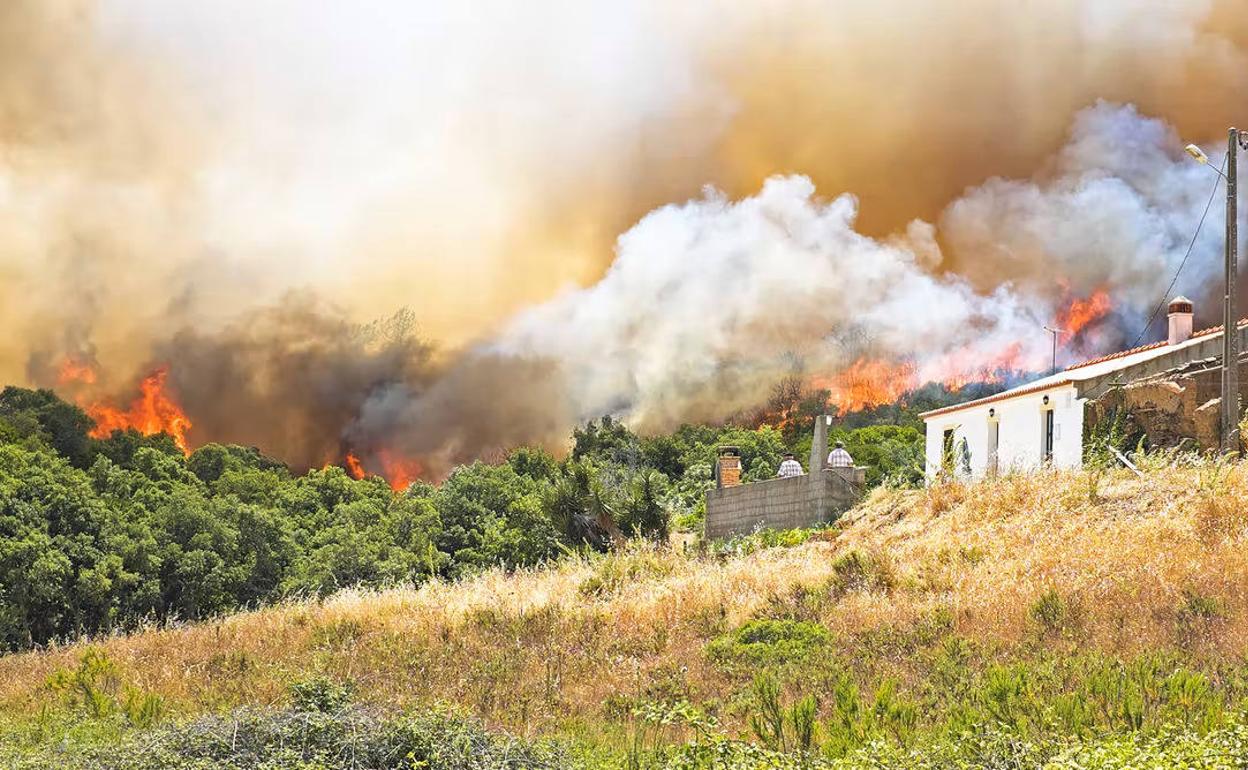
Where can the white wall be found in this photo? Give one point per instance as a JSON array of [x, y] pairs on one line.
[[1020, 431]]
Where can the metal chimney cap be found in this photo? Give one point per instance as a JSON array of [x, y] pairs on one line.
[[1180, 304]]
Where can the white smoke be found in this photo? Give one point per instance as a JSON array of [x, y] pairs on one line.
[[1116, 209], [709, 302]]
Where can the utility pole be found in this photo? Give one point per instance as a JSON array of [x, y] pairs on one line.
[[1230, 328], [1054, 332]]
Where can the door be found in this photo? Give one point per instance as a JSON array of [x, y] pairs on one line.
[[1047, 447]]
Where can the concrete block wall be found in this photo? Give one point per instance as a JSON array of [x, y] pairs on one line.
[[798, 501]]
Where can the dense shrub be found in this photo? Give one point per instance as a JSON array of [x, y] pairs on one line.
[[310, 740], [769, 641]]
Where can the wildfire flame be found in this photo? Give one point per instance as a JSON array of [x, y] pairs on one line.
[[154, 411], [867, 383], [1081, 313], [355, 469], [957, 370], [72, 371], [399, 472]]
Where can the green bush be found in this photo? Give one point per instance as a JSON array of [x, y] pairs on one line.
[[94, 689], [742, 545], [320, 694], [1049, 611], [351, 739], [769, 641]]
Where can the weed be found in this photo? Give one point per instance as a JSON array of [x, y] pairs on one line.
[[337, 634], [142, 709], [1049, 612], [1217, 517], [320, 694], [91, 686], [1196, 616], [782, 728], [856, 571], [92, 689], [944, 496], [632, 565], [743, 545], [769, 641]]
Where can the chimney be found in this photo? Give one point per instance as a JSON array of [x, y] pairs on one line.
[[728, 467], [1180, 314], [819, 445]]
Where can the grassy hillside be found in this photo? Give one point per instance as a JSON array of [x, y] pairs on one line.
[[1067, 612]]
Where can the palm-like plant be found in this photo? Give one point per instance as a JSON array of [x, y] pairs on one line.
[[578, 508]]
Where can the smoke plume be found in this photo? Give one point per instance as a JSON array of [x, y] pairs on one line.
[[234, 189], [707, 304]]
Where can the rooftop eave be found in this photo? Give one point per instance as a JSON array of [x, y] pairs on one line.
[[1004, 396]]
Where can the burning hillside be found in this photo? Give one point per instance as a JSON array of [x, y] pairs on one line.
[[181, 254], [707, 306]]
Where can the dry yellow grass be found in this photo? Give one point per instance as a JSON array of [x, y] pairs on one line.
[[532, 650]]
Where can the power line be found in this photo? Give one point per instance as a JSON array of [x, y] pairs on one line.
[[1166, 297]]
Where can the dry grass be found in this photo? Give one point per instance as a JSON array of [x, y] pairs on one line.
[[538, 649]]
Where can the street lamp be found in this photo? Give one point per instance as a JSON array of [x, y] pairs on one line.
[[1202, 158], [1230, 317]]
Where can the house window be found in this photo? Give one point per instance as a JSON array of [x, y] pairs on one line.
[[1047, 442], [946, 452], [994, 434]]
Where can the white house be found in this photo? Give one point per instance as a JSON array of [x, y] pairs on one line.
[[1043, 421]]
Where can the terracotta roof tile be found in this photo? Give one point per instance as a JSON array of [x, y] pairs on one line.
[[1150, 346], [1003, 395], [1025, 390], [1119, 354]]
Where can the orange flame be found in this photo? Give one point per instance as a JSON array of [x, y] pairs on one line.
[[1081, 313], [867, 383], [354, 468], [400, 472], [75, 371], [959, 369], [154, 411]]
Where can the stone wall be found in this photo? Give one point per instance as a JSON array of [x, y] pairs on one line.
[[1181, 406], [799, 501]]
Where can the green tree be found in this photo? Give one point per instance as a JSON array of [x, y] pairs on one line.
[[576, 504], [607, 441], [42, 414], [122, 446], [534, 462], [887, 451], [54, 578], [491, 516]]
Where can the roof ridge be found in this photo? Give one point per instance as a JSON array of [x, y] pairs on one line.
[[1140, 349], [1021, 390], [1054, 381]]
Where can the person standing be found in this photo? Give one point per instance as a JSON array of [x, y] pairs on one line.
[[789, 467], [839, 457]]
